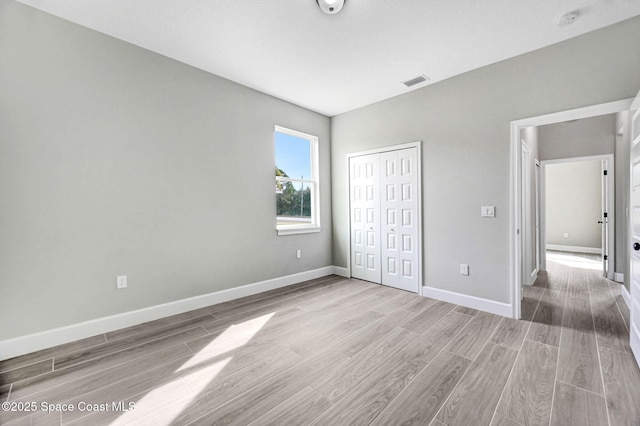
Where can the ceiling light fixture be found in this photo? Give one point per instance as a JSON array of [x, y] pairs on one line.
[[330, 7]]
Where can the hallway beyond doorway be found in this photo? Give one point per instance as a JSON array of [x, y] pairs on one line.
[[582, 316]]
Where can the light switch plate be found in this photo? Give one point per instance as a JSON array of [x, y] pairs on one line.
[[488, 211], [464, 269], [121, 282]]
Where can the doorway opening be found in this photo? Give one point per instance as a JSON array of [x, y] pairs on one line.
[[579, 210], [518, 220]]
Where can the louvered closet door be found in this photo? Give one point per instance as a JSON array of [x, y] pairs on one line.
[[399, 207], [364, 193]]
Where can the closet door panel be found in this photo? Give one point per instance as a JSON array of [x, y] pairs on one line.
[[364, 199]]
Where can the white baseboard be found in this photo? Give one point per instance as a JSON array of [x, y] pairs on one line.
[[626, 296], [17, 346], [342, 272], [574, 249], [498, 308], [618, 277]]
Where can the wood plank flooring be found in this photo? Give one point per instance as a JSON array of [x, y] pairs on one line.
[[335, 351]]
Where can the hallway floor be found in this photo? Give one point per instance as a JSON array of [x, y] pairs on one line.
[[583, 318]]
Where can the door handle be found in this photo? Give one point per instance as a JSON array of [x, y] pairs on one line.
[[636, 246]]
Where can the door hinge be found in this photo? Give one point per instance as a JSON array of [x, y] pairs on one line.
[[606, 257], [605, 172], [606, 214]]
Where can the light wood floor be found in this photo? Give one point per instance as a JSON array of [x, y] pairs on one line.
[[345, 352]]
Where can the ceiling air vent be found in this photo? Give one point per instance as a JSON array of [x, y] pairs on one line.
[[420, 79]]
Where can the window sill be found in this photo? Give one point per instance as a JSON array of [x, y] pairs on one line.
[[298, 230]]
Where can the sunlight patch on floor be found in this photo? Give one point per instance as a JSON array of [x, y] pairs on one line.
[[232, 338], [177, 394], [574, 261], [164, 404]]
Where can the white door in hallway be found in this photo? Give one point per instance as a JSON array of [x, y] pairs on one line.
[[635, 228], [605, 221], [384, 214]]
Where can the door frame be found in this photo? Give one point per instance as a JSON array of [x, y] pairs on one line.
[[515, 190], [633, 297], [538, 209], [527, 181], [610, 194], [418, 146]]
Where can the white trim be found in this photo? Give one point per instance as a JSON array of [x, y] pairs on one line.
[[618, 277], [578, 159], [574, 249], [17, 346], [348, 214], [515, 257], [576, 114], [526, 221], [384, 149], [418, 146], [486, 305], [298, 230], [626, 296], [341, 272]]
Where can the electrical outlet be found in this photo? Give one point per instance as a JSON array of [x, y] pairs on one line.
[[298, 254], [121, 282], [464, 269]]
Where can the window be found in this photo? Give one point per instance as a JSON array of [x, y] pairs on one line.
[[297, 205]]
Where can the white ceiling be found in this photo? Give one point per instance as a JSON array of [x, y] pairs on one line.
[[333, 64]]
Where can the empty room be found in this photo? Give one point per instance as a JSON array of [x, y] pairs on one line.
[[318, 212]]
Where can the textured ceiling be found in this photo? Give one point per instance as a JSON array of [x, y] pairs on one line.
[[333, 64]]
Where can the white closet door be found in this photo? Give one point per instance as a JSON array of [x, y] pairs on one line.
[[364, 195], [399, 207]]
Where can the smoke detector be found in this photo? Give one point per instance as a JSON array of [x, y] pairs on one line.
[[568, 18]]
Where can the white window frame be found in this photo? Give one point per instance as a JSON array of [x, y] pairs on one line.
[[314, 182]]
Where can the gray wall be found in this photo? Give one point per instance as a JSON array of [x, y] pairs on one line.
[[464, 125], [574, 203], [580, 138], [115, 160]]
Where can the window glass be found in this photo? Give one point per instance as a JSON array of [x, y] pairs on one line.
[[296, 181]]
